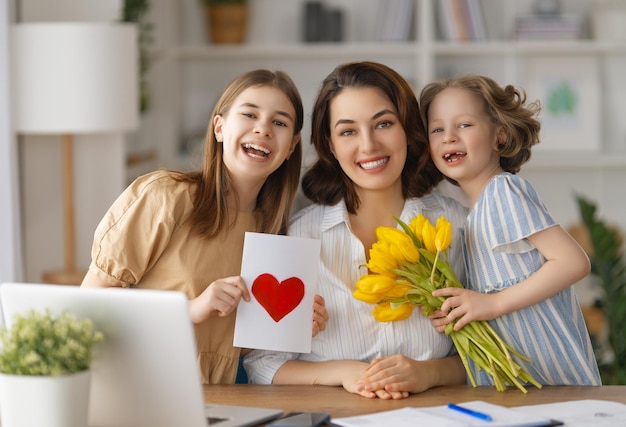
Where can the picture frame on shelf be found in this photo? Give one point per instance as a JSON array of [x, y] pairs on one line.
[[569, 91]]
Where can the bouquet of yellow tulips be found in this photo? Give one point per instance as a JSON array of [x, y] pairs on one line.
[[408, 265]]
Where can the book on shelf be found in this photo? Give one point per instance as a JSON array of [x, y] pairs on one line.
[[549, 27], [461, 20], [396, 20]]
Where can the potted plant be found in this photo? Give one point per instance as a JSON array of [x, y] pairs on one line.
[[226, 20], [45, 364], [605, 250], [136, 11]]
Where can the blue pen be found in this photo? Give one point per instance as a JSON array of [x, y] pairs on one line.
[[475, 414]]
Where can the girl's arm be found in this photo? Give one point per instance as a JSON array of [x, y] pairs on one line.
[[91, 280], [566, 263]]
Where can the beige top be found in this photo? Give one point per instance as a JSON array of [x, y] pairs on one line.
[[142, 242]]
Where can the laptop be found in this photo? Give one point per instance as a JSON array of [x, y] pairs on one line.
[[145, 373]]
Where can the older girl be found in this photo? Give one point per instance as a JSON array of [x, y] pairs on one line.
[[185, 231]]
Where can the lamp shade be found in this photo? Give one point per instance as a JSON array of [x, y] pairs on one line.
[[73, 78]]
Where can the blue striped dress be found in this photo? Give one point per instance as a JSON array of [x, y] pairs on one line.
[[497, 255]]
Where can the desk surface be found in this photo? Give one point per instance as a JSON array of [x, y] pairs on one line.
[[340, 403]]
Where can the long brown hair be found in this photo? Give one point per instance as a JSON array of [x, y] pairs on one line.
[[325, 182], [505, 106], [275, 199]]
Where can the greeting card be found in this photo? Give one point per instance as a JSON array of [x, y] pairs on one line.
[[281, 275]]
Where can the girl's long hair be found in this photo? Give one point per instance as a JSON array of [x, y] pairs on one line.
[[210, 212]]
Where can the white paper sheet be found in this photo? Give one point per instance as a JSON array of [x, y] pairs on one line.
[[442, 416], [582, 413]]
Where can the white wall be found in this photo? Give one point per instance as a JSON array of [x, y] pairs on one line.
[[99, 164], [10, 229]]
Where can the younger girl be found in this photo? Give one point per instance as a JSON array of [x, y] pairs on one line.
[[185, 231], [520, 264]]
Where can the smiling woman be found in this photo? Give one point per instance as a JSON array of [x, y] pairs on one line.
[[373, 165], [167, 226]]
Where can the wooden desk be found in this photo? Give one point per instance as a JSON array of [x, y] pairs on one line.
[[340, 403]]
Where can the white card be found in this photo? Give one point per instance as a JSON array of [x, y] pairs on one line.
[[281, 275]]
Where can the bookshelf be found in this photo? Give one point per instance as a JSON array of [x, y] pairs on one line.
[[187, 74]]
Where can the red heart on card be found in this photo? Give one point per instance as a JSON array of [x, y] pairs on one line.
[[278, 298]]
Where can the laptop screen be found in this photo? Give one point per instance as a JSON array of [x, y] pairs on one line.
[[145, 373]]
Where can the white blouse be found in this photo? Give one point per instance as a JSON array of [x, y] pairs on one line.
[[351, 332]]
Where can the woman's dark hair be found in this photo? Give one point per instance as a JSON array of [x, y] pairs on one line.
[[325, 182]]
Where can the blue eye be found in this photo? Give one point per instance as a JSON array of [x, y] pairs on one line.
[[436, 130]]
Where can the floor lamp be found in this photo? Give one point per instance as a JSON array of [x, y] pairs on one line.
[[69, 79]]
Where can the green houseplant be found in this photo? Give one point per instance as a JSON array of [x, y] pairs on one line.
[[45, 364], [43, 344], [607, 264], [136, 11], [226, 20]]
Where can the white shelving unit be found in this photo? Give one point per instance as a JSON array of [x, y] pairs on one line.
[[188, 75]]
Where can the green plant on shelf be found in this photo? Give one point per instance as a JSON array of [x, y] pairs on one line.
[[607, 264], [135, 11]]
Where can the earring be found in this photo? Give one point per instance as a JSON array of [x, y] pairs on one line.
[[219, 138]]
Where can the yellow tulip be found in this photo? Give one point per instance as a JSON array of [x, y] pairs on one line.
[[443, 238], [428, 236], [368, 298], [381, 261], [401, 246], [384, 313], [375, 284], [416, 225], [390, 235], [398, 291], [409, 251]]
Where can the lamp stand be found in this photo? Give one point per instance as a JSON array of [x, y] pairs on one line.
[[70, 275]]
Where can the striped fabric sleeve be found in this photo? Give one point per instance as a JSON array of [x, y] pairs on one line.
[[517, 212]]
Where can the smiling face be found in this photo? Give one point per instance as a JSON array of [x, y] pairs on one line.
[[257, 133], [463, 140], [367, 139]]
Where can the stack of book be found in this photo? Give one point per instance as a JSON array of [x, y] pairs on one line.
[[549, 27], [461, 20], [396, 20]]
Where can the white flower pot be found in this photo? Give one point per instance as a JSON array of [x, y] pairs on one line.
[[41, 401]]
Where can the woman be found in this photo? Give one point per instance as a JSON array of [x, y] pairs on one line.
[[373, 165]]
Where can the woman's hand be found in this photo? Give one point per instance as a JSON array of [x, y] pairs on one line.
[[320, 315], [220, 298], [399, 375], [394, 377], [352, 375]]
